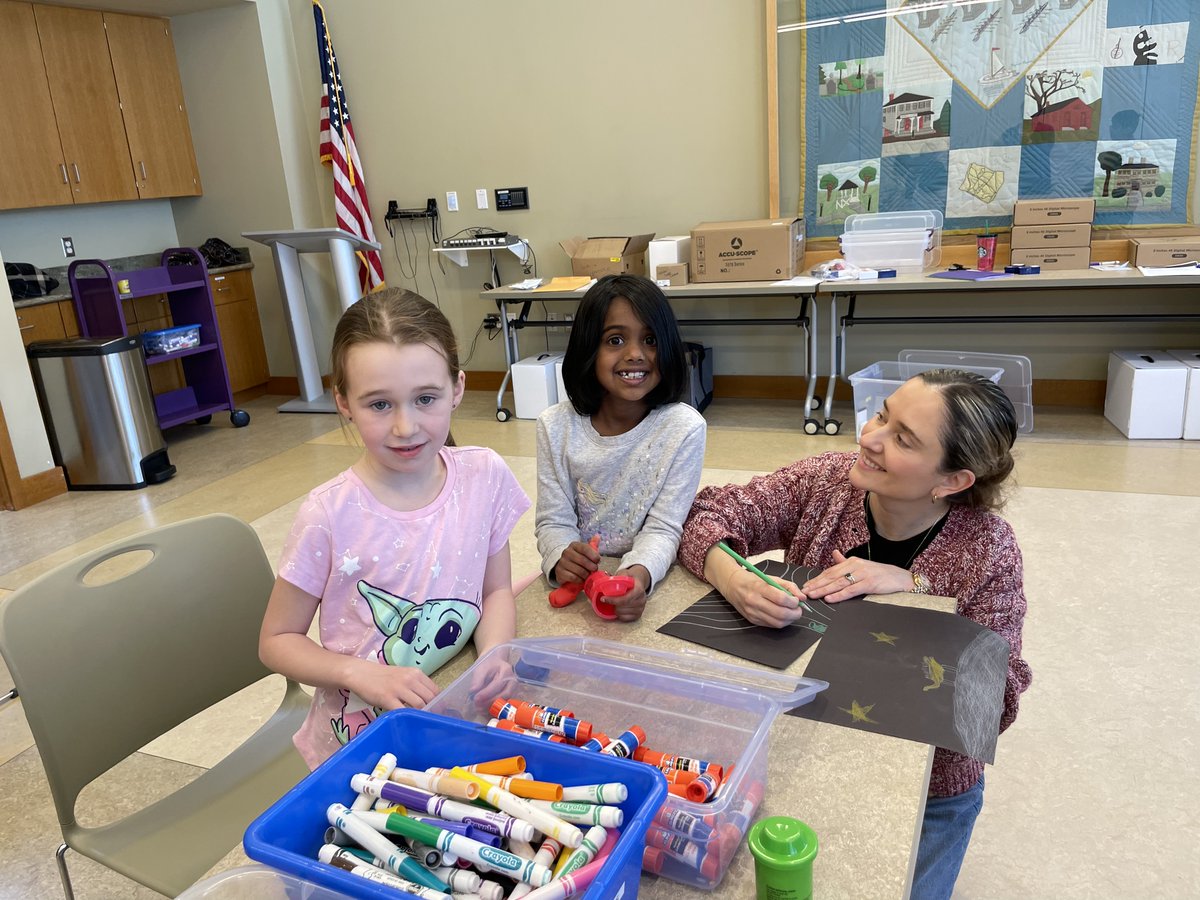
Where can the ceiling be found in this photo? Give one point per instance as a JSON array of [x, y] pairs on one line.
[[164, 8]]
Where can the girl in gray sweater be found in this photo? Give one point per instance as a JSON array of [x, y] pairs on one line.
[[622, 458]]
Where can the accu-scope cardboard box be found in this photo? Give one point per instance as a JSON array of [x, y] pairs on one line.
[[599, 256], [1053, 259], [751, 250], [1164, 251], [1036, 237], [1056, 210]]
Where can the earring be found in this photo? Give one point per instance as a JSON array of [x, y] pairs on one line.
[[934, 497]]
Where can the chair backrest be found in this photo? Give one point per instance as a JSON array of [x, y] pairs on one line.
[[104, 669]]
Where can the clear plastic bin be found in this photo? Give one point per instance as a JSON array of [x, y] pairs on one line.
[[170, 340], [688, 705], [288, 835], [257, 883], [1016, 380], [880, 380], [907, 241]]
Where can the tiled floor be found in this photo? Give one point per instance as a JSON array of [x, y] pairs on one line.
[[1093, 786]]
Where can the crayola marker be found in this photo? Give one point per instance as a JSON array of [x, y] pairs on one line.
[[461, 881], [608, 792], [386, 763], [569, 885], [500, 860], [367, 837], [509, 765], [417, 799], [523, 849], [583, 813], [337, 856], [547, 823], [585, 852], [624, 745], [426, 781], [522, 785], [416, 872], [489, 890], [546, 855]]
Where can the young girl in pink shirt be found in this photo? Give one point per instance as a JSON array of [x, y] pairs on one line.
[[405, 554]]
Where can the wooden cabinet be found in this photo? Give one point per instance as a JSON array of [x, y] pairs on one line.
[[241, 331], [90, 127], [66, 309], [100, 107], [156, 123], [32, 169], [40, 323]]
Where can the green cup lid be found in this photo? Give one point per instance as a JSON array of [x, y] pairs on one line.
[[782, 840]]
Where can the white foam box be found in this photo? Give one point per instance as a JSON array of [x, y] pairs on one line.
[[676, 248], [1191, 403], [1145, 395], [534, 386]]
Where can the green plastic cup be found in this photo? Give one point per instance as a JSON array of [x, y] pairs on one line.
[[784, 849]]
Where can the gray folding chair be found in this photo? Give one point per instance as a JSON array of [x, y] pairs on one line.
[[103, 669]]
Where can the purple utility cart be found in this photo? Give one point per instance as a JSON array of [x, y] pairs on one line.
[[185, 288]]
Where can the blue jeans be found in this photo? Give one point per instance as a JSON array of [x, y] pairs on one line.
[[945, 833]]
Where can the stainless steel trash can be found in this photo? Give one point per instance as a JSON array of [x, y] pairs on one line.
[[99, 412]]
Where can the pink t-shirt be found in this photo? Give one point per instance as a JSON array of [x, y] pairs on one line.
[[400, 587]]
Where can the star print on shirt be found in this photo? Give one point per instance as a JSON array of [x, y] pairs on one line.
[[436, 569], [349, 564]]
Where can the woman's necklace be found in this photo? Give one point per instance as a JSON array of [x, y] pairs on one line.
[[921, 544]]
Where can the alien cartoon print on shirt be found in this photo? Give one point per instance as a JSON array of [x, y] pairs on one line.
[[426, 635]]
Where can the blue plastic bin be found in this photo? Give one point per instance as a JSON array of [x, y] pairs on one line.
[[288, 835]]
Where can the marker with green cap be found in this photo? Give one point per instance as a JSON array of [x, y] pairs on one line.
[[501, 860], [784, 849]]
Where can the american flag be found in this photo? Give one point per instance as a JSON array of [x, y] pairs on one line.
[[340, 153]]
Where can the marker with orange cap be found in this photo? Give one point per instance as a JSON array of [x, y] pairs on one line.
[[528, 788], [509, 765], [624, 745]]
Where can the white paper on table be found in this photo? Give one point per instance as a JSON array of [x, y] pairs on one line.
[[798, 281], [1156, 271], [527, 285]]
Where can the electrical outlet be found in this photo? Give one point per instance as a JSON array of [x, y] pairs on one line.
[[68, 245], [452, 201], [481, 201], [554, 317]]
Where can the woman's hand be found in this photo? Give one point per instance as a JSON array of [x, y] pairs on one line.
[[632, 603], [760, 603], [390, 687], [853, 577], [577, 562]]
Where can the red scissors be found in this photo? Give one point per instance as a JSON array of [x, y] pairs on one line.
[[597, 586]]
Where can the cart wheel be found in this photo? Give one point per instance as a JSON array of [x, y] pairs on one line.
[[832, 426], [503, 415], [204, 420], [817, 400], [811, 426], [240, 418]]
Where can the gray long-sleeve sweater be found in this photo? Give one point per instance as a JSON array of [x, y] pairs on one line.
[[633, 489]]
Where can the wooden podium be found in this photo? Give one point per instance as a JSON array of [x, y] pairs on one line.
[[286, 247]]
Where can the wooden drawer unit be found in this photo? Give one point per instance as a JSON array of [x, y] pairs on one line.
[[40, 323], [241, 331]]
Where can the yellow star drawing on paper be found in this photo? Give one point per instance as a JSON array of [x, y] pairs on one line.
[[934, 671], [883, 637], [858, 713]]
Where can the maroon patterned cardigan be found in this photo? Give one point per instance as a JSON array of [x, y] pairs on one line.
[[809, 509]]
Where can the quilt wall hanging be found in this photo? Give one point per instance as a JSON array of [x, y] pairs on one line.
[[967, 108]]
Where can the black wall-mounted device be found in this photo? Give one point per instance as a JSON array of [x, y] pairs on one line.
[[512, 198]]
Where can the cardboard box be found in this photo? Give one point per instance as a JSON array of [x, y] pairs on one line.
[[1167, 251], [1035, 237], [1054, 260], [1191, 401], [674, 273], [534, 385], [596, 257], [754, 250], [1056, 210], [1145, 393], [675, 248], [700, 365]]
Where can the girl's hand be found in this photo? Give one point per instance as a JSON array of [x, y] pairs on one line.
[[390, 687], [853, 577], [490, 680], [760, 603], [632, 603], [577, 562]]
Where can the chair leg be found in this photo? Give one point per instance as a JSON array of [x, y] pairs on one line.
[[63, 874]]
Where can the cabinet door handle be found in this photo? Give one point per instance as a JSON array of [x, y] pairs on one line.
[[222, 289], [143, 165], [75, 166], [66, 179], [27, 327]]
